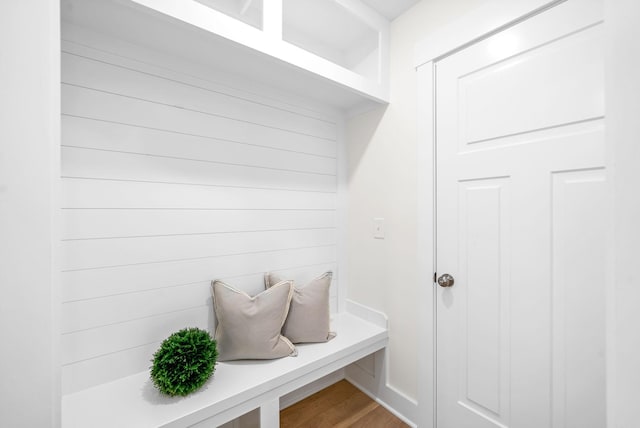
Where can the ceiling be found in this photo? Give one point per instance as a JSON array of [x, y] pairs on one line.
[[391, 9]]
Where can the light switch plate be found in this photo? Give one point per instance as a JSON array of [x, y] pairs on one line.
[[378, 228]]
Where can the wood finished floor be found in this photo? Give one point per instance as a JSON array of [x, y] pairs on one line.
[[340, 405]]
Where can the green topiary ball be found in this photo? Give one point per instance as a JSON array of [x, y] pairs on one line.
[[184, 361]]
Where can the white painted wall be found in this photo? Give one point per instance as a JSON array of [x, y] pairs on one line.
[[623, 129], [29, 152], [382, 151], [170, 181]]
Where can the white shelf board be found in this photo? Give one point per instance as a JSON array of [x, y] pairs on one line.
[[223, 44]]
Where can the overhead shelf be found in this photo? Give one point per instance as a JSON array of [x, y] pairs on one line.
[[247, 11], [331, 51]]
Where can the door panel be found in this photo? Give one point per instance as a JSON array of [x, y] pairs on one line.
[[513, 90], [520, 196], [578, 316], [484, 228]]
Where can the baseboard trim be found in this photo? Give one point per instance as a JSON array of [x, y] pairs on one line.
[[383, 403], [375, 385]]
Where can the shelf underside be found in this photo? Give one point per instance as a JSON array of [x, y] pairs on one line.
[[138, 25]]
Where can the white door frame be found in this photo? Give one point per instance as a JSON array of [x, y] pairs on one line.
[[492, 17]]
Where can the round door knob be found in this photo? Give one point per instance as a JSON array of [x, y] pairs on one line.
[[445, 280]]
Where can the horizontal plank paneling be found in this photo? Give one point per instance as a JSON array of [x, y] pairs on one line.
[[253, 284], [169, 67], [91, 103], [98, 253], [83, 193], [90, 314], [88, 284], [303, 275], [87, 373], [91, 343], [169, 182], [95, 223], [85, 315], [83, 71], [81, 132], [90, 163]]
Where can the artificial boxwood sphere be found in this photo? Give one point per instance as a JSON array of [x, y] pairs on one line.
[[184, 362]]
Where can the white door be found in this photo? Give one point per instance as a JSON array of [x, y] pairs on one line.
[[520, 225]]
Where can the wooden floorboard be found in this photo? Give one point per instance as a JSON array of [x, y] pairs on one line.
[[341, 405]]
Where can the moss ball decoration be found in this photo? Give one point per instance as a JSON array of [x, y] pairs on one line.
[[184, 362]]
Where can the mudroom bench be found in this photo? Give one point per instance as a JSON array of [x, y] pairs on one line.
[[236, 388]]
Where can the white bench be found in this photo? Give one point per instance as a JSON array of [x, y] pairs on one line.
[[235, 388]]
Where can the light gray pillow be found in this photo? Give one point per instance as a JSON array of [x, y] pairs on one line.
[[308, 319], [249, 328]]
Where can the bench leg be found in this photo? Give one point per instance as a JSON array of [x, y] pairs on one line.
[[270, 414]]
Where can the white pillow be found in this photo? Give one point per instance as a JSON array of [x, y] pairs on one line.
[[309, 318], [250, 327]]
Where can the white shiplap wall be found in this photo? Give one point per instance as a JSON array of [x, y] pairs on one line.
[[170, 181]]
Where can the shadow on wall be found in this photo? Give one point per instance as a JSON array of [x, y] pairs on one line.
[[360, 132]]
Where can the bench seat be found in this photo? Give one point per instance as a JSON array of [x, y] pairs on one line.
[[235, 388]]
